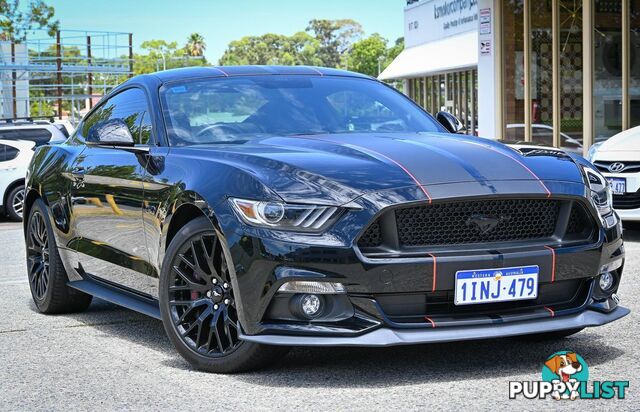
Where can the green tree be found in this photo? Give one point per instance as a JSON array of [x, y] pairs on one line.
[[299, 49], [335, 38], [17, 19], [195, 44], [368, 55], [394, 51], [162, 55]]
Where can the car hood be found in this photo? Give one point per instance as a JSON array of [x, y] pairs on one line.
[[627, 141], [338, 168]]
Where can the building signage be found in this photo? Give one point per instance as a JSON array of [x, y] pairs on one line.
[[485, 21], [485, 47], [433, 20]]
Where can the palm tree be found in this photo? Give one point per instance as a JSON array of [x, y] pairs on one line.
[[195, 44]]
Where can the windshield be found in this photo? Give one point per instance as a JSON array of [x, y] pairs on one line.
[[235, 110]]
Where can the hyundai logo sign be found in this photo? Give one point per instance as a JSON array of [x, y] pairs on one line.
[[616, 167]]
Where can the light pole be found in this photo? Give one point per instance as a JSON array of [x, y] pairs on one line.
[[380, 59]]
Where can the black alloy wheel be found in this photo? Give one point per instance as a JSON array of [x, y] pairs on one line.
[[199, 307], [38, 255], [45, 270], [201, 297]]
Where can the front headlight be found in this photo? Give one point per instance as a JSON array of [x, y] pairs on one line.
[[592, 151], [601, 196], [283, 216]]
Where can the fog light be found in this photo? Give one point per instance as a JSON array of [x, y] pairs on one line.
[[312, 287], [310, 305], [606, 281]]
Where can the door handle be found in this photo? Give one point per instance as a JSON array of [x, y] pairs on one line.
[[78, 173]]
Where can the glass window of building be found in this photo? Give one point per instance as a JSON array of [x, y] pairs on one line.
[[513, 68], [634, 62], [607, 69]]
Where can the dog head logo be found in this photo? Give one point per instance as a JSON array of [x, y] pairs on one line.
[[565, 366], [568, 369]]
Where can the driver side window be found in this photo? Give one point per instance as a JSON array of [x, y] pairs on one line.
[[131, 107], [362, 113]]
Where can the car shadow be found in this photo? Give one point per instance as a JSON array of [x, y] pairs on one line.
[[364, 367], [408, 365], [121, 323], [631, 231]]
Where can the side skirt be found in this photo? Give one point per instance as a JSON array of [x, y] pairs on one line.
[[120, 297]]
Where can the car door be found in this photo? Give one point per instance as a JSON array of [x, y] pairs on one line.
[[107, 197]]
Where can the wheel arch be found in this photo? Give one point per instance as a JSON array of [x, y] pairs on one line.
[[184, 214], [30, 198], [10, 187], [188, 207]]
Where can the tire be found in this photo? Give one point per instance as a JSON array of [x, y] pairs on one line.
[[198, 308], [15, 203], [47, 276], [550, 336]]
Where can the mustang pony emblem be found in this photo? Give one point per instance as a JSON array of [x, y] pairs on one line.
[[486, 224]]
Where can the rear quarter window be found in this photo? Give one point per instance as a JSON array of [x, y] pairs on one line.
[[38, 136], [8, 153]]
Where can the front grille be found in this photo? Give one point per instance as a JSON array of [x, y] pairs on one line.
[[453, 223], [628, 167], [627, 201], [477, 222], [579, 222], [413, 307], [372, 237]]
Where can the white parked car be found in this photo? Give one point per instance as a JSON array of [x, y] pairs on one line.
[[618, 158], [15, 156], [39, 131], [542, 135]]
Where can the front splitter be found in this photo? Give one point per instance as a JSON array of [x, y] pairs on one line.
[[392, 337]]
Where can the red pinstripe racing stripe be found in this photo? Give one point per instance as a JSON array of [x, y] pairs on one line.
[[380, 154], [520, 163], [435, 272], [553, 314], [553, 263], [399, 165], [428, 319]]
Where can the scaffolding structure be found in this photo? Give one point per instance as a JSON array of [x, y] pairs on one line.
[[64, 75]]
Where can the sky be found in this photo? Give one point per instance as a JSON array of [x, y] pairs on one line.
[[221, 21]]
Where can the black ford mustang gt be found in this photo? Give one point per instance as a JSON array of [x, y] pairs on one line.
[[255, 208]]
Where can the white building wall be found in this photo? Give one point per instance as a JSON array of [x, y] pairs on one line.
[[487, 69]]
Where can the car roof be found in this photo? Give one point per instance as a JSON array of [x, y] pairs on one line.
[[22, 124], [233, 71]]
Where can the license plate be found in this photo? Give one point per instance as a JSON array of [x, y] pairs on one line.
[[618, 185], [496, 285]]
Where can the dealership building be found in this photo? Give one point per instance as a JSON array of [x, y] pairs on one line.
[[561, 72]]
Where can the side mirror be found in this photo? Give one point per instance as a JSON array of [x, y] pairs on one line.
[[112, 132], [450, 122]]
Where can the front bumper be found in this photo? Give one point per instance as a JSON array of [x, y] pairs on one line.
[[392, 337], [265, 260]]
